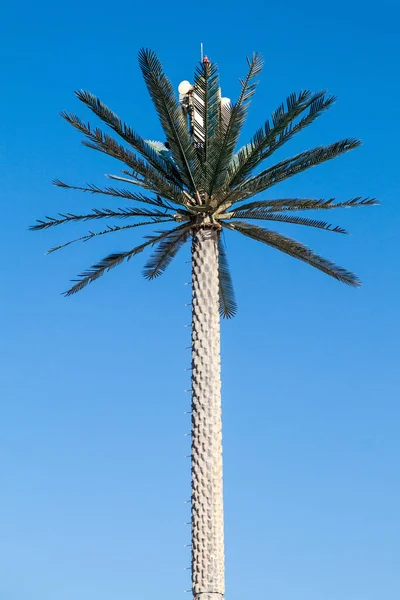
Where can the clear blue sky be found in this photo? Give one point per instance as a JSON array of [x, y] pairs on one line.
[[92, 465]]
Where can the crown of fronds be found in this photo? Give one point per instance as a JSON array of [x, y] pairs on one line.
[[198, 178]]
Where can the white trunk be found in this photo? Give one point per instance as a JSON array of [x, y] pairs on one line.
[[208, 580]]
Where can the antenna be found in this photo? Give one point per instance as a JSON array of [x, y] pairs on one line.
[[201, 52], [184, 87]]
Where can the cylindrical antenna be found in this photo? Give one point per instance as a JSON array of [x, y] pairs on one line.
[[201, 52]]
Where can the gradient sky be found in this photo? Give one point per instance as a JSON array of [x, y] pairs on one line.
[[92, 462]]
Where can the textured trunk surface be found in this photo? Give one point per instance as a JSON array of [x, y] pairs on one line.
[[207, 499]]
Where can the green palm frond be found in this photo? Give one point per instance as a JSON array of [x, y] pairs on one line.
[[206, 101], [295, 249], [166, 251], [231, 126], [269, 138], [320, 102], [156, 159], [172, 118], [116, 193], [292, 166], [110, 262], [146, 176], [297, 204], [92, 234], [267, 215], [227, 301], [98, 213]]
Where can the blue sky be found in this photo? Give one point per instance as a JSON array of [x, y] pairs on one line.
[[92, 464]]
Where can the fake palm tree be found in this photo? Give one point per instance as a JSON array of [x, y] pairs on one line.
[[198, 182]]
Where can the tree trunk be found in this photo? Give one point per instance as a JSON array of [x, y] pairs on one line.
[[208, 580]]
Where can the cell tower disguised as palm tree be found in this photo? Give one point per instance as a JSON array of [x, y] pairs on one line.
[[200, 183]]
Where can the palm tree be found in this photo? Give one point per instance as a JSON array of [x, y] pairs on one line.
[[198, 182]]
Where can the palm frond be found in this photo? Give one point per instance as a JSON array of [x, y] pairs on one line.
[[267, 215], [227, 301], [298, 204], [166, 251], [295, 249], [145, 174], [110, 262], [92, 234], [320, 102], [232, 124], [157, 160], [172, 118], [98, 213], [292, 166], [116, 193], [271, 137], [206, 104]]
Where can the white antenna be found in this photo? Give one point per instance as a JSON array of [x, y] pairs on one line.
[[184, 89], [201, 52]]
